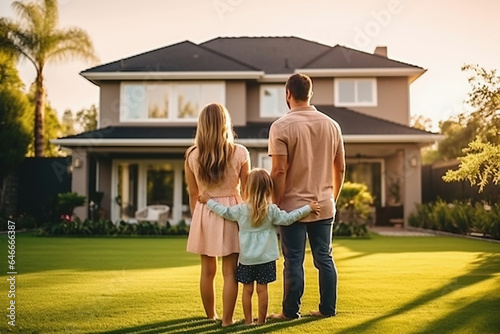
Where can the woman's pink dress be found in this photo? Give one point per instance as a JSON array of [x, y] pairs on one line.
[[210, 234]]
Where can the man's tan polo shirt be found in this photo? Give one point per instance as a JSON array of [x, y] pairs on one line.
[[312, 141]]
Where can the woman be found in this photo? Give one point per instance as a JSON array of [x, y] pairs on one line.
[[217, 165]]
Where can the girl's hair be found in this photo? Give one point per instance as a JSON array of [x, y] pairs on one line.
[[215, 142], [258, 191]]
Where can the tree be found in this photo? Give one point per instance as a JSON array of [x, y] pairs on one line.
[[68, 123], [459, 131], [14, 136], [37, 37], [421, 122], [87, 118], [481, 163], [52, 128], [484, 98], [482, 160]]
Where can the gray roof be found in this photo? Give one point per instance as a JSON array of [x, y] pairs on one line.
[[273, 55], [356, 123]]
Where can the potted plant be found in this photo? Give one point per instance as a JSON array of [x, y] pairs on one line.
[[396, 211], [395, 192]]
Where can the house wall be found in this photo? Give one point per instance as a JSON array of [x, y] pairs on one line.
[[393, 100], [253, 102], [109, 108], [236, 96], [322, 91], [243, 101], [413, 179]]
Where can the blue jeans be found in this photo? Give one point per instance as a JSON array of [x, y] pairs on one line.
[[293, 242]]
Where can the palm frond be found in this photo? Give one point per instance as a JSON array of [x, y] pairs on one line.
[[30, 15], [15, 40], [70, 43], [51, 17]]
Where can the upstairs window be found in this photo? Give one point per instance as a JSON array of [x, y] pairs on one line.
[[355, 92], [272, 101], [175, 102]]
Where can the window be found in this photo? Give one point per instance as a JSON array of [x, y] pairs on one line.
[[145, 102], [272, 101], [356, 92], [265, 161]]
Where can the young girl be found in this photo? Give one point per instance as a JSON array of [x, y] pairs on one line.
[[217, 165], [258, 240]]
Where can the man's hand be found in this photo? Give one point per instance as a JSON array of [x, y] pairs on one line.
[[315, 207], [203, 198]]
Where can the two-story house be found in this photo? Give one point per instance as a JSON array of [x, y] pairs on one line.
[[149, 105]]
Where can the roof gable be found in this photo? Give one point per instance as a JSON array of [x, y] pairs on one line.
[[342, 57], [270, 54]]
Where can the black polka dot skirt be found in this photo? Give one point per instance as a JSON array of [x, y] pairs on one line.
[[262, 273]]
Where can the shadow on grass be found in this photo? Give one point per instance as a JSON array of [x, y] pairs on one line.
[[197, 325], [476, 312]]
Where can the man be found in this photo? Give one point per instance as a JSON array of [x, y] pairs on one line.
[[308, 163]]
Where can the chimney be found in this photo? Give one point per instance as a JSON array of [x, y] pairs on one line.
[[381, 51]]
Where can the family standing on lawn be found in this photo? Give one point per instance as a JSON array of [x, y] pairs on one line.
[[235, 209]]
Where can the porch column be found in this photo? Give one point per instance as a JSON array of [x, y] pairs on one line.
[[177, 200], [125, 191], [80, 180], [413, 181]]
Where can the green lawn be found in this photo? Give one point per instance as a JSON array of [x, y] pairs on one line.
[[150, 285]]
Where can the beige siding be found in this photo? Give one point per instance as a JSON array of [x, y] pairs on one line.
[[392, 100], [253, 102], [109, 108], [322, 91], [236, 101]]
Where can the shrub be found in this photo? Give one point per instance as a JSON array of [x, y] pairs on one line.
[[23, 221], [354, 210], [459, 217], [105, 227], [342, 229]]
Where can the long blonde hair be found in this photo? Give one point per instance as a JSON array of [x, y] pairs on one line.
[[258, 191], [215, 142]]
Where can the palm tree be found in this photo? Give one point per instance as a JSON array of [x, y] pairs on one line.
[[37, 37]]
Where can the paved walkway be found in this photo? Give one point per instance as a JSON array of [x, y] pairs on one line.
[[398, 232]]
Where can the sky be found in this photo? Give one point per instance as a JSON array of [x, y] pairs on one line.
[[437, 35]]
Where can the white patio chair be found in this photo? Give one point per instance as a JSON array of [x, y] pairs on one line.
[[153, 213]]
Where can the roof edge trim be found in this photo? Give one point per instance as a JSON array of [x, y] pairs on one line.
[[251, 142], [93, 76]]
